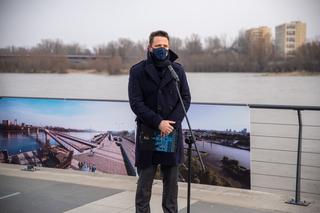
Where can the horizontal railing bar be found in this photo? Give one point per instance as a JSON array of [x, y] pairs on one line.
[[264, 106]]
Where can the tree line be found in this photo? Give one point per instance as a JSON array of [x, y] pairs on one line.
[[213, 54]]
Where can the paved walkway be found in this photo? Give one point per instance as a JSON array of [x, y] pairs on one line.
[[57, 190], [107, 158]]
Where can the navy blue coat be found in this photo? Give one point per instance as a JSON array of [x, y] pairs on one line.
[[152, 100]]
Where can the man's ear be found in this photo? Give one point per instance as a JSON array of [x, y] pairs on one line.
[[149, 48]]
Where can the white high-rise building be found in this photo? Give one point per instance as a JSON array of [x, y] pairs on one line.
[[289, 37]]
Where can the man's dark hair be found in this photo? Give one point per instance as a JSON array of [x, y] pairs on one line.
[[158, 33]]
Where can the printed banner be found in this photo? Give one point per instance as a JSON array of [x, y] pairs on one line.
[[99, 136]]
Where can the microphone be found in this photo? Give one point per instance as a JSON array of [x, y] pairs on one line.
[[172, 71]]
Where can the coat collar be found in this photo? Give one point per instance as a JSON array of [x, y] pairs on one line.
[[153, 73]]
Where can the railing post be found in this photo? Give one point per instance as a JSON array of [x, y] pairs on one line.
[[296, 200]]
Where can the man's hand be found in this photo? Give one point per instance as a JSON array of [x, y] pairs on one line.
[[166, 127]]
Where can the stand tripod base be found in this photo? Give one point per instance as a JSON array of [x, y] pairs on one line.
[[299, 203]]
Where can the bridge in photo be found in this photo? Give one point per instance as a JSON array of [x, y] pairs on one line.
[[71, 143]]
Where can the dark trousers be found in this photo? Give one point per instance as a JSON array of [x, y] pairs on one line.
[[170, 189]]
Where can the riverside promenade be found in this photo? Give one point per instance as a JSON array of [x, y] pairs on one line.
[[60, 190]]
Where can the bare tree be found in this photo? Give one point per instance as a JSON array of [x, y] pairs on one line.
[[176, 44], [307, 57], [118, 56], [213, 44], [48, 46], [193, 45]]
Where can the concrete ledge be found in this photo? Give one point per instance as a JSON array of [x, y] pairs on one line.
[[203, 193]]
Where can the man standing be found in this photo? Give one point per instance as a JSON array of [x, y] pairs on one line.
[[154, 100]]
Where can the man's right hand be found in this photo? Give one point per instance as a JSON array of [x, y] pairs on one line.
[[166, 127]]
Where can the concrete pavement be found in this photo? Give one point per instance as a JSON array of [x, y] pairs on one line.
[[57, 190]]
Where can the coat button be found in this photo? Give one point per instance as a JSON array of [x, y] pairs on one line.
[[159, 108], [160, 91]]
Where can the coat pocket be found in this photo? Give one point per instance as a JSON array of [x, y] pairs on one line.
[[146, 138], [151, 140]]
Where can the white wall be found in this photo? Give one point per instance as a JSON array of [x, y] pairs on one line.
[[274, 143]]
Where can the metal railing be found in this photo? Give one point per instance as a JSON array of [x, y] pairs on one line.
[[297, 199]]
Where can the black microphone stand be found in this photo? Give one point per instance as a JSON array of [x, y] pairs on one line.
[[189, 140]]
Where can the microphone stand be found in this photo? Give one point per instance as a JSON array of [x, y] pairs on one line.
[[189, 140]]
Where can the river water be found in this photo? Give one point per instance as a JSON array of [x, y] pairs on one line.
[[243, 88], [16, 143], [217, 152]]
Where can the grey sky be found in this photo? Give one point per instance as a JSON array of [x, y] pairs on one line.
[[217, 117], [96, 115], [92, 22], [111, 115]]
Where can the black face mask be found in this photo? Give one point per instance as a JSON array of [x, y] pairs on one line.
[[160, 53]]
